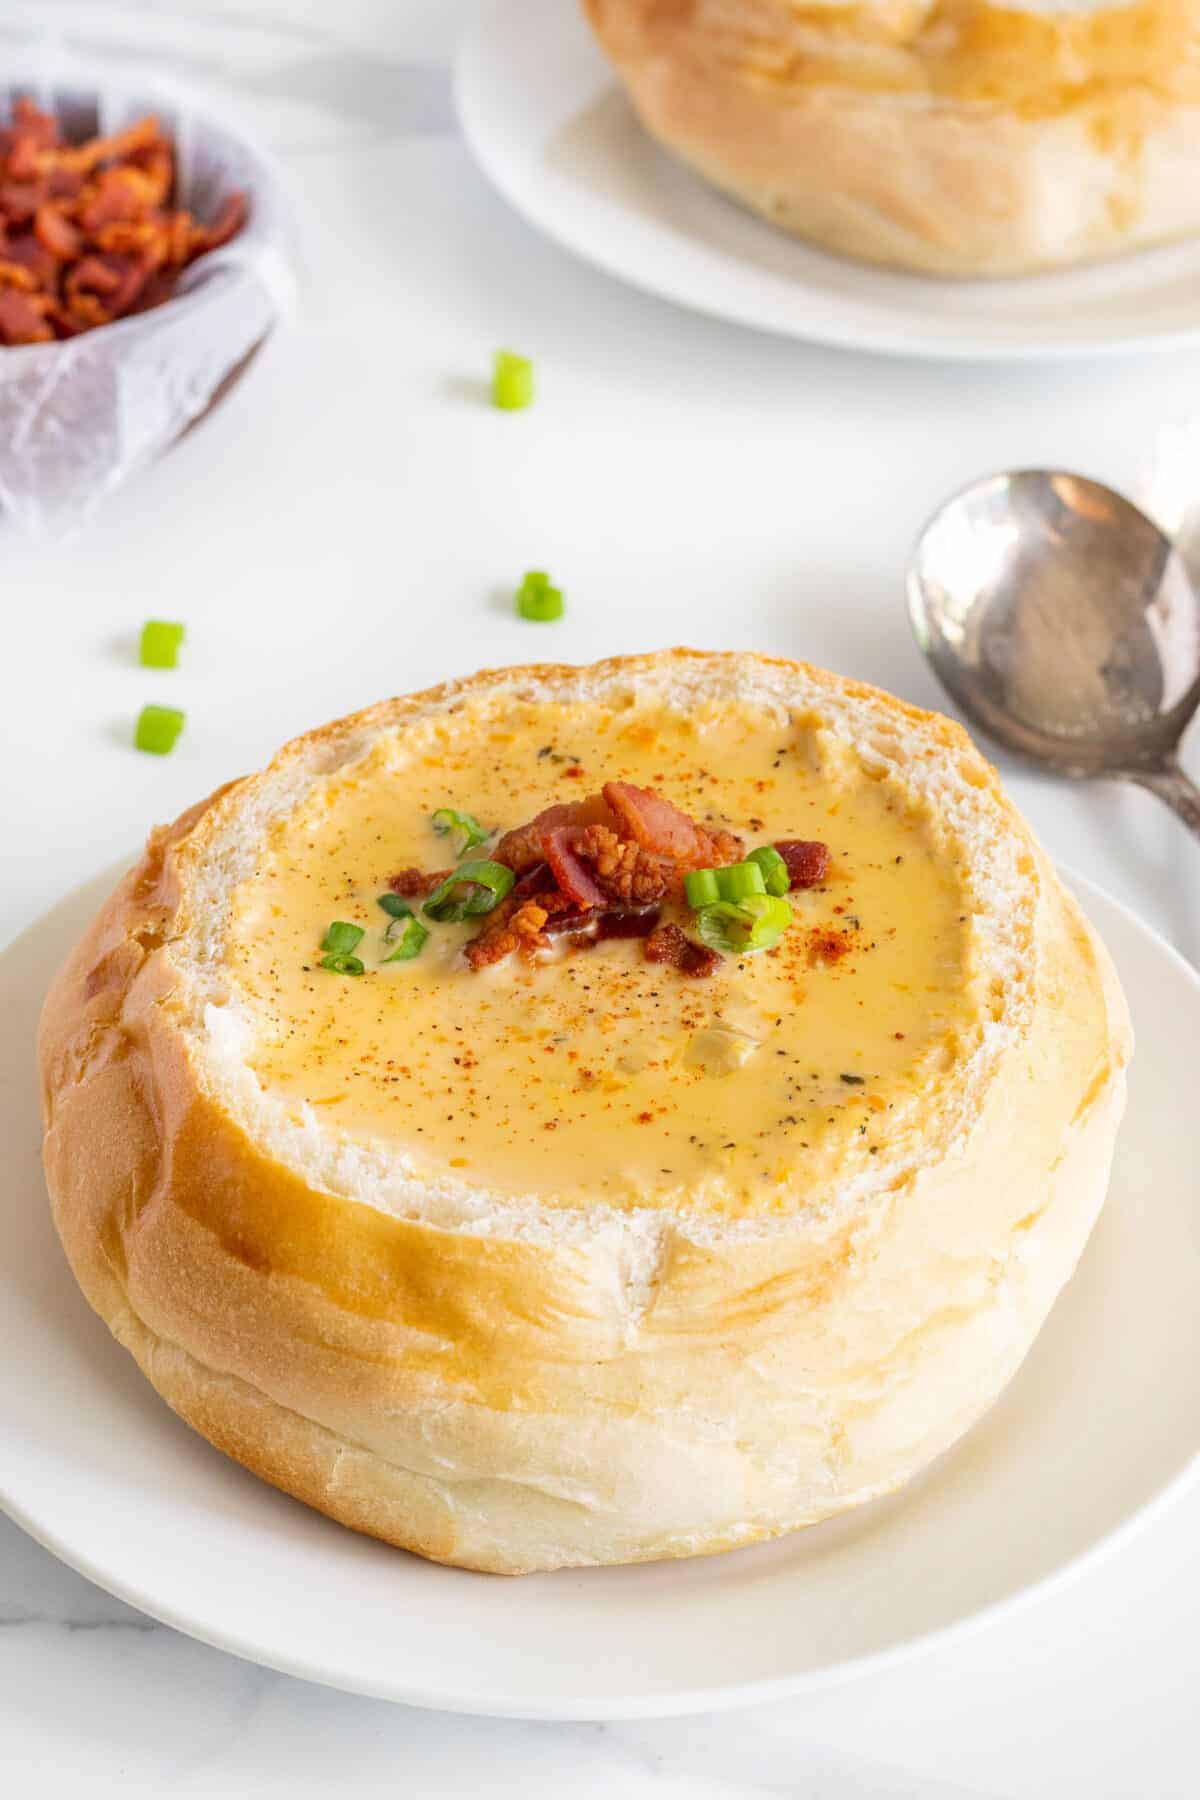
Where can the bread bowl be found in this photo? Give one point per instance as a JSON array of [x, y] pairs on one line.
[[575, 1257], [955, 137]]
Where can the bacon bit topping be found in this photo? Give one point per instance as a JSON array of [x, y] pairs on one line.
[[414, 884], [656, 825], [522, 848], [87, 231], [22, 318], [524, 922], [569, 871], [807, 862], [668, 944], [625, 872], [592, 869]]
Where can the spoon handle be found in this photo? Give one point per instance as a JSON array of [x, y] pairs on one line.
[[1177, 789]]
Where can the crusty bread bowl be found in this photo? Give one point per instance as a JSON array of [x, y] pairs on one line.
[[955, 137], [579, 1259]]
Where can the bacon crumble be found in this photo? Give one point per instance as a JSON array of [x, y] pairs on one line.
[[807, 862], [669, 944], [414, 884], [88, 232], [601, 867]]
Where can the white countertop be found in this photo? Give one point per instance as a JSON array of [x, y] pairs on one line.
[[348, 525]]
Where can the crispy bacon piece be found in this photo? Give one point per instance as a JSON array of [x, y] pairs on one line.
[[625, 872], [15, 274], [92, 275], [22, 320], [414, 884], [19, 200], [87, 230], [56, 233], [119, 146], [571, 873], [657, 825], [521, 849], [598, 868], [524, 922], [807, 862], [668, 944], [31, 128]]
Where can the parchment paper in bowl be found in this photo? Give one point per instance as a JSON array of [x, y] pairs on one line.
[[78, 418]]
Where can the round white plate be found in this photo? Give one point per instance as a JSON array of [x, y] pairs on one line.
[[542, 111], [1100, 1425]]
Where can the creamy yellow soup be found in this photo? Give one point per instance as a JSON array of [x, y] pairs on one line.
[[593, 1073]]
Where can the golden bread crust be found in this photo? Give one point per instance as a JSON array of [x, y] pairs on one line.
[[955, 137], [490, 1399]]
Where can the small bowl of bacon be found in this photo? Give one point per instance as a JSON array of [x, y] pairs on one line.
[[143, 260]]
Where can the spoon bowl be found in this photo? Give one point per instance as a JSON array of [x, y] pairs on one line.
[[1064, 623]]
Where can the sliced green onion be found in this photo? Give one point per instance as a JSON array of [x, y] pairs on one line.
[[739, 928], [701, 888], [394, 906], [470, 832], [741, 880], [775, 870], [512, 381], [409, 936], [341, 965], [341, 938], [157, 729], [473, 889], [159, 647], [537, 600]]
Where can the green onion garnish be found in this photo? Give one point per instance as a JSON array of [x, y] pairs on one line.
[[741, 880], [394, 906], [704, 887], [473, 889], [341, 938], [341, 965], [469, 831], [408, 935], [775, 870], [739, 928], [537, 600], [701, 888], [157, 729], [159, 647], [512, 381]]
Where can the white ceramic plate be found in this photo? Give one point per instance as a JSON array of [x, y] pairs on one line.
[[543, 113], [1101, 1424]]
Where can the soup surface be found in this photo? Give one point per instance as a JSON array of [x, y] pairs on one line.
[[592, 1073]]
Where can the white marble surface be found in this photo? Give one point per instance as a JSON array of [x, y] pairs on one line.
[[345, 526]]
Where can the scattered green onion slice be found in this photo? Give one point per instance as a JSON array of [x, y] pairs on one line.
[[473, 889], [537, 600], [512, 381], [409, 937], [159, 647], [741, 880], [775, 870], [394, 906], [739, 928], [157, 729], [341, 965], [447, 820], [341, 938], [701, 888]]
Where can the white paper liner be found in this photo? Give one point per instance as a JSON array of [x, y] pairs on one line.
[[77, 418]]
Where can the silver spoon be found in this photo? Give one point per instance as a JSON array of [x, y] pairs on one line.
[[1064, 622]]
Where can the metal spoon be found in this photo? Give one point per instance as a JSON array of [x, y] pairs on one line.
[[1064, 622]]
